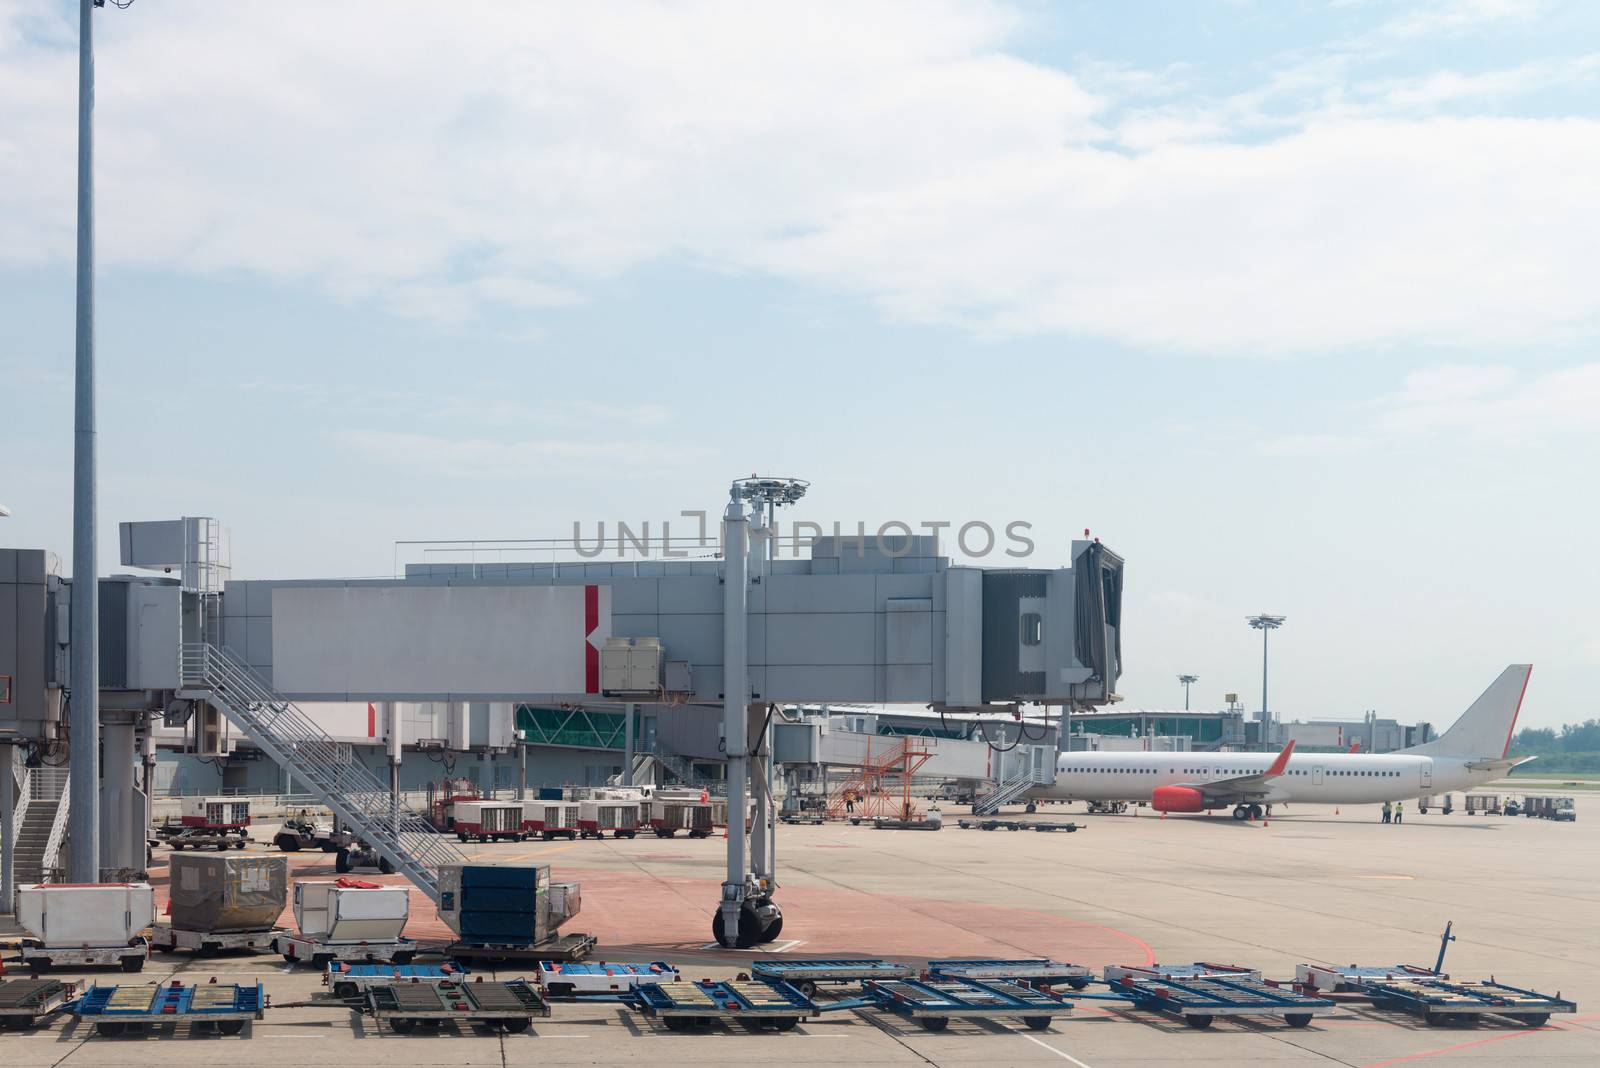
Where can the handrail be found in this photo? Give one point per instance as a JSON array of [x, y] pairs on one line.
[[21, 777], [293, 739], [58, 828]]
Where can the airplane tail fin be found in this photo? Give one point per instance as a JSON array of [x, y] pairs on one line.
[[1484, 730]]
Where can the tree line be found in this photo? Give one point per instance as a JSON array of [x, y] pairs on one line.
[[1572, 747]]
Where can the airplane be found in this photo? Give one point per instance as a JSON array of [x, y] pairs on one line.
[[1472, 752]]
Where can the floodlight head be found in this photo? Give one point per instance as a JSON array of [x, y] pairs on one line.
[[4, 511], [1187, 679], [767, 489], [1266, 622]]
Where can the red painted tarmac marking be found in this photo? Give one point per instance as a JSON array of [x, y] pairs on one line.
[[1470, 1045]]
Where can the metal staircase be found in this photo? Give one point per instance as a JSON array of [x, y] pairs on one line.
[[1027, 771], [361, 801]]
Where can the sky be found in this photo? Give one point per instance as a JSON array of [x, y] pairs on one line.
[[1291, 304]]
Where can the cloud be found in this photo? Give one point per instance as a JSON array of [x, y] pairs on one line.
[[445, 166], [1492, 404], [526, 458]]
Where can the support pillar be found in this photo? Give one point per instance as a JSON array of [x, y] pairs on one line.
[[735, 706], [522, 770], [8, 845], [627, 744], [83, 852], [119, 807], [391, 716]]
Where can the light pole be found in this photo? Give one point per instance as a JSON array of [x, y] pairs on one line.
[[1187, 680], [83, 857], [1265, 623]]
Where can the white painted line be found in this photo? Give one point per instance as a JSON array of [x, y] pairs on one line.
[[1052, 1049]]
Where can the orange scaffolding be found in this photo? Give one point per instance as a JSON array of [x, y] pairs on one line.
[[881, 784]]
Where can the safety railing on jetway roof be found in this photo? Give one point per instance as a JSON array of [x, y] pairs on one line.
[[365, 805]]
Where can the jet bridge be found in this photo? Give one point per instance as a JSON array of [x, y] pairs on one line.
[[862, 620]]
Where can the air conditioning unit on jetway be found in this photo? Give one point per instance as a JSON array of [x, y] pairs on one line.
[[631, 666]]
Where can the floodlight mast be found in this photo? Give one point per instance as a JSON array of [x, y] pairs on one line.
[[746, 914], [1265, 623], [1187, 681]]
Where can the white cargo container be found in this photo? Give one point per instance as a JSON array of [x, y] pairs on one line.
[[487, 820], [99, 914], [215, 813], [72, 925], [595, 818], [332, 913], [344, 922], [550, 819]]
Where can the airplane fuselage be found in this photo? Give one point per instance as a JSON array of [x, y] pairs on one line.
[[1312, 778]]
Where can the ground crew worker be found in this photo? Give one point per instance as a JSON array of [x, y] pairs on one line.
[[849, 801], [1388, 812], [1399, 811]]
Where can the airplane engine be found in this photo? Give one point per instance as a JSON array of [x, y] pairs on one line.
[[1177, 799]]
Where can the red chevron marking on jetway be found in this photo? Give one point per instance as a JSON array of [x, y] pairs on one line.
[[591, 654]]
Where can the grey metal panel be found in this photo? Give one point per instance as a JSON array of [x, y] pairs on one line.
[[822, 638], [113, 634], [963, 637], [8, 564], [635, 597], [916, 564], [908, 631], [258, 599], [696, 594], [912, 585], [640, 625], [705, 567], [258, 640], [824, 567], [908, 682], [830, 683], [233, 600], [31, 566], [826, 593], [695, 638]]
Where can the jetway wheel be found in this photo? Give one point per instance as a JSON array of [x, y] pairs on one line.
[[750, 930], [773, 930]]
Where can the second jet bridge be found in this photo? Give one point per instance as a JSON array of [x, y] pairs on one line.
[[857, 622]]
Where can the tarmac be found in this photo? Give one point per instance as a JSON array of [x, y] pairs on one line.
[[1311, 885]]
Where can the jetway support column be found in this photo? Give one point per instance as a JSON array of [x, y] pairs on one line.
[[735, 713], [8, 847], [627, 744], [391, 718], [119, 806]]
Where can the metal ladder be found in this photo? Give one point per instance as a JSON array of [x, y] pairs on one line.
[[1007, 791], [361, 801]]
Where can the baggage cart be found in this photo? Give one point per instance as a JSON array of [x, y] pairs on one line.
[[1199, 999], [224, 1007], [407, 1006], [550, 819], [1443, 1003], [23, 1001], [169, 939], [346, 980], [685, 1006], [574, 978], [934, 1002], [804, 975], [597, 817], [1034, 971]]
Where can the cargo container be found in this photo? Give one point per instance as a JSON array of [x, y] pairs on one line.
[[228, 893], [496, 904], [215, 813], [487, 820], [86, 914], [595, 818], [509, 912], [78, 924], [667, 818], [332, 912], [550, 819]]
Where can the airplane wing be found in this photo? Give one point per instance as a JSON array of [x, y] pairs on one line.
[[1244, 787]]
